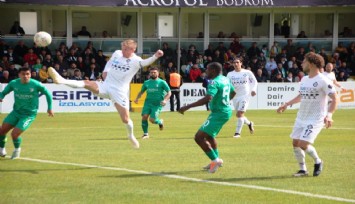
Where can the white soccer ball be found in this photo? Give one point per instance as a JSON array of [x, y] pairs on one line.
[[42, 39]]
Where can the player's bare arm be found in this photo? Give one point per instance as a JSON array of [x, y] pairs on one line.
[[166, 98], [138, 97], [328, 121], [284, 106], [200, 102]]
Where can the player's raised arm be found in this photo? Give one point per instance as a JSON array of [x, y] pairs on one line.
[[151, 59]]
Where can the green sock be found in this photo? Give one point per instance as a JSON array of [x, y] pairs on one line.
[[145, 126], [3, 141], [17, 142], [212, 155], [216, 152]]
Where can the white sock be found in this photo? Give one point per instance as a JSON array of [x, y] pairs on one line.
[[129, 127], [74, 83], [311, 151], [246, 121], [240, 123], [300, 157], [17, 149]]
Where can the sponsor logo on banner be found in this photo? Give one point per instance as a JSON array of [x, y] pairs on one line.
[[75, 98]]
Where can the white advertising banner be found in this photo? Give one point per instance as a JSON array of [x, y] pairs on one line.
[[269, 96]]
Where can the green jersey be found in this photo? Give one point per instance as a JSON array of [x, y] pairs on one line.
[[220, 88], [156, 90], [27, 96]]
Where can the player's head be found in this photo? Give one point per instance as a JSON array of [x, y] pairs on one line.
[[128, 47], [329, 67], [154, 72], [237, 63], [213, 70], [312, 60], [24, 74]]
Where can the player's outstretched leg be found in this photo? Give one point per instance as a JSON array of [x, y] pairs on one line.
[[57, 79]]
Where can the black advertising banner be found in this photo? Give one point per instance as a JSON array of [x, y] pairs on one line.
[[189, 3]]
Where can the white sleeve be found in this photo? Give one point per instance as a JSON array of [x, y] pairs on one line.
[[148, 61], [253, 82]]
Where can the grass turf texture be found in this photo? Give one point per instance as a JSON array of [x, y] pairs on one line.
[[264, 159]]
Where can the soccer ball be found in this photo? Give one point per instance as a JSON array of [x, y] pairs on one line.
[[42, 39]]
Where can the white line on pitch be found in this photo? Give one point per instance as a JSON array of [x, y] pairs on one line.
[[197, 180]]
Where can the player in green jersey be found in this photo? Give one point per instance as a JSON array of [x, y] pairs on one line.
[[220, 91], [158, 92], [26, 95]]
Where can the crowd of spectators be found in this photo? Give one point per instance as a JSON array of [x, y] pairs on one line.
[[279, 64]]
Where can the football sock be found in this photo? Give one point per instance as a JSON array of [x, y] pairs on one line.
[[74, 83], [212, 155], [216, 152], [17, 142], [300, 157], [246, 121], [311, 151], [129, 127], [145, 126], [240, 122], [3, 141]]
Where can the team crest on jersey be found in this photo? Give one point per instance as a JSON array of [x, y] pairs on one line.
[[212, 82], [244, 75], [330, 86], [315, 84], [31, 89]]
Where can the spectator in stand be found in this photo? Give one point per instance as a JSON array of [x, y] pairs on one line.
[[270, 66], [299, 77], [350, 49], [254, 65], [324, 55], [105, 34], [17, 29], [36, 67], [3, 48], [209, 59], [80, 64], [222, 50], [63, 49], [92, 73], [343, 68], [289, 78], [302, 34], [11, 56], [13, 72], [336, 60], [342, 76], [278, 78], [285, 29], [5, 62], [100, 60], [191, 57], [253, 51], [277, 30], [72, 57], [294, 69], [63, 64], [218, 57], [275, 49], [233, 35], [229, 56], [259, 76], [1, 70], [281, 55], [20, 50], [262, 59], [5, 79], [75, 47], [300, 56], [200, 65], [77, 75], [42, 55], [195, 72], [48, 61], [209, 52], [30, 57], [343, 52], [84, 32], [87, 56], [90, 45], [43, 74], [352, 62], [221, 34], [174, 81], [236, 46], [34, 75], [291, 62], [200, 35], [58, 68], [310, 48], [328, 34], [291, 48], [72, 68]]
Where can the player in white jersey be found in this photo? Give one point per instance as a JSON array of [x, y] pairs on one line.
[[118, 73], [245, 84], [312, 114], [328, 72]]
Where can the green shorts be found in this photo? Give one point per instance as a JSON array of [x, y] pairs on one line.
[[214, 123], [22, 122], [152, 110]]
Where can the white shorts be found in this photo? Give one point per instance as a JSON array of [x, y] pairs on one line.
[[241, 103], [306, 132], [115, 95]]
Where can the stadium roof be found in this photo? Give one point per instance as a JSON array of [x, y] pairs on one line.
[[189, 3]]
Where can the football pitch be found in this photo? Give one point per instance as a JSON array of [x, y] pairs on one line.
[[86, 158]]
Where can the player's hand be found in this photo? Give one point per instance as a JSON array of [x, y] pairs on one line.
[[136, 101], [163, 103], [342, 89], [159, 53], [183, 109], [253, 93], [50, 113], [328, 122], [282, 108]]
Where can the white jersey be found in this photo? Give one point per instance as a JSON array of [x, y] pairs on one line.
[[330, 76], [243, 81], [121, 70], [314, 92]]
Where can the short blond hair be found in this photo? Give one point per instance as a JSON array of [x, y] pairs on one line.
[[129, 43]]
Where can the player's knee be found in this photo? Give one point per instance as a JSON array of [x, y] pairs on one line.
[[152, 120]]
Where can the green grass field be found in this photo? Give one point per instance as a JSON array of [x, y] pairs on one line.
[[86, 158]]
